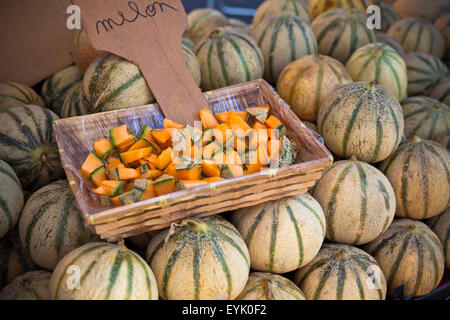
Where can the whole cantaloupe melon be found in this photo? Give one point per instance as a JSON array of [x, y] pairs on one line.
[[277, 8], [441, 226], [14, 94], [11, 198], [203, 21], [29, 286], [441, 91]]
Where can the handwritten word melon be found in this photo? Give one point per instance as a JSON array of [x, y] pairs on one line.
[[13, 94], [199, 259], [282, 235], [268, 286], [441, 226], [203, 21], [342, 272], [283, 39], [419, 173], [11, 198], [279, 7], [51, 225], [28, 145], [410, 255], [108, 272], [29, 286]]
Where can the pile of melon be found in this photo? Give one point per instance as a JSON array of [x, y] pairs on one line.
[[375, 226]]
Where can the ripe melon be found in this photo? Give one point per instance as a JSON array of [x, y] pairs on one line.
[[388, 16], [14, 94], [108, 272], [426, 117], [339, 32], [58, 85], [342, 272], [51, 225], [441, 226], [445, 139], [305, 83], [318, 7], [430, 9], [358, 201], [283, 39], [268, 286], [410, 255], [419, 173], [11, 198], [418, 35], [203, 21], [424, 72], [282, 235], [391, 41], [192, 63], [188, 43], [443, 24], [380, 62], [13, 258], [228, 58], [201, 259], [29, 286], [74, 104], [277, 8], [441, 91], [83, 52], [240, 25], [28, 145], [361, 119]]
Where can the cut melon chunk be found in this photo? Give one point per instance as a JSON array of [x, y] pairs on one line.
[[171, 169], [142, 144], [98, 176], [172, 124], [146, 134], [101, 191], [121, 136], [288, 152], [144, 189], [210, 149], [112, 163], [163, 137], [135, 155], [274, 123], [91, 164], [213, 179], [207, 118], [113, 187], [260, 113], [152, 174], [164, 185], [210, 168], [223, 116], [124, 199], [103, 147], [123, 174], [259, 126], [239, 126], [230, 171], [164, 159], [193, 172], [186, 184], [232, 157]]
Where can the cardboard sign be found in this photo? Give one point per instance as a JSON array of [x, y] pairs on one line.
[[149, 34]]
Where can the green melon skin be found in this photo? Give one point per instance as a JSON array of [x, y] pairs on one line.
[[426, 117], [282, 40], [339, 32], [108, 272], [11, 198], [29, 286], [58, 85], [13, 94], [279, 7], [202, 21], [388, 16], [441, 91], [28, 145], [13, 258], [424, 72], [228, 58], [410, 255], [74, 104], [51, 225], [389, 40], [240, 25]]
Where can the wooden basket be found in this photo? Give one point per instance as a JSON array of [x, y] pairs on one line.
[[76, 135]]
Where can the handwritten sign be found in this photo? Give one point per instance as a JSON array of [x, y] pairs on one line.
[[149, 34]]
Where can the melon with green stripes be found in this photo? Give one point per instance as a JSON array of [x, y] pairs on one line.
[[228, 58], [388, 16], [29, 286], [358, 201], [361, 119], [199, 259], [391, 41], [282, 235], [58, 85], [419, 173], [380, 62], [11, 198], [188, 43], [342, 272], [426, 117], [283, 39], [13, 94], [192, 63], [444, 139], [440, 225], [418, 35], [318, 7], [441, 91], [240, 25], [424, 72], [277, 8], [202, 21], [14, 260], [443, 24], [410, 255], [107, 272], [28, 145], [268, 286], [305, 83], [51, 225], [74, 104], [339, 32], [83, 52]]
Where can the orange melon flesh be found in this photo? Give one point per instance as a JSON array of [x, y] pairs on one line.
[[152, 174], [121, 136], [128, 186], [163, 137], [103, 147], [91, 164], [210, 149], [140, 144], [172, 124], [149, 193], [146, 134], [195, 173], [213, 179], [210, 168], [112, 187], [164, 159], [164, 185], [186, 184], [135, 155], [98, 176], [207, 118], [171, 170], [238, 125], [102, 191], [125, 198], [232, 171], [232, 157], [259, 126], [223, 116], [112, 163], [123, 174], [152, 159], [126, 146]]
